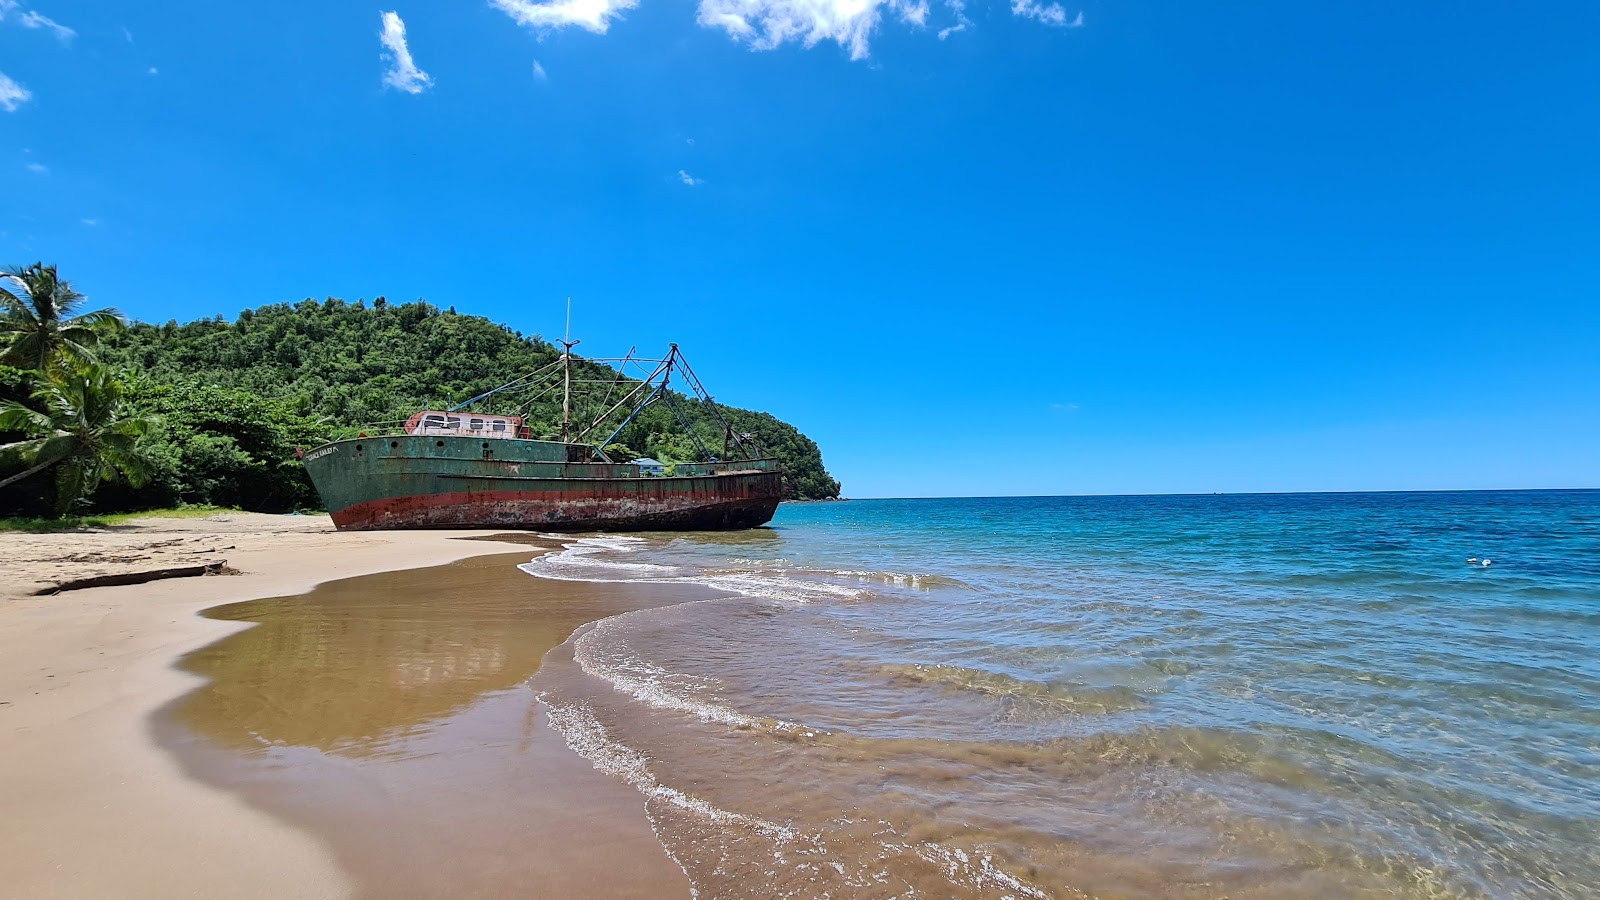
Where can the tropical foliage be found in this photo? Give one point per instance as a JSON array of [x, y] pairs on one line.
[[327, 368], [77, 428], [62, 414], [223, 406], [41, 327]]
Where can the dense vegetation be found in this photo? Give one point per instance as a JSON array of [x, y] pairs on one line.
[[232, 401], [63, 415]]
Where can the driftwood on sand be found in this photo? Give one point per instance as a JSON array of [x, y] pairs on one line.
[[220, 567]]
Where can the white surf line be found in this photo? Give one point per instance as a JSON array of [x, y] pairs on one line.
[[584, 735], [645, 682]]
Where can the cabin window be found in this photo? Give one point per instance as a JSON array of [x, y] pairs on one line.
[[454, 422], [475, 424], [433, 422], [497, 426]]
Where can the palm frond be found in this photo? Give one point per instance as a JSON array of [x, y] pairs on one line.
[[109, 319], [133, 426], [131, 462], [16, 417], [25, 450], [77, 353], [21, 349], [14, 312]]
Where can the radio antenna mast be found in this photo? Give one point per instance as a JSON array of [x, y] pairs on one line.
[[567, 343]]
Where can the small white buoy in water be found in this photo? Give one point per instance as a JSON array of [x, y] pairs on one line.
[[1486, 563], [1472, 560]]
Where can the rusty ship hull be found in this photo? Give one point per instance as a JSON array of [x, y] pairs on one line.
[[448, 481]]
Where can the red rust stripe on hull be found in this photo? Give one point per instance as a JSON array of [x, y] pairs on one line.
[[556, 511]]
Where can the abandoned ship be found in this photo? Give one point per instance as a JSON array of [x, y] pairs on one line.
[[455, 468]]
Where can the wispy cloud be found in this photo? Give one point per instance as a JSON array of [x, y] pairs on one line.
[[594, 15], [539, 73], [154, 71], [959, 7], [1048, 13], [12, 95], [690, 180], [90, 222], [34, 19], [403, 72], [127, 34], [767, 24], [38, 167]]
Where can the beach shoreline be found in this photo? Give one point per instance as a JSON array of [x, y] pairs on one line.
[[90, 803]]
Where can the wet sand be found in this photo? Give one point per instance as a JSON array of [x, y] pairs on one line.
[[389, 715], [93, 805]]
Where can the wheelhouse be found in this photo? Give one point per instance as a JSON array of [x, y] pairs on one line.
[[431, 422]]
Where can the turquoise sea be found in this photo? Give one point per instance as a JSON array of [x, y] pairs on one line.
[[1392, 694]]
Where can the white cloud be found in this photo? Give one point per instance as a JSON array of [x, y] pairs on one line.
[[594, 15], [767, 24], [539, 72], [690, 180], [33, 19], [1048, 13], [12, 95], [38, 167], [90, 222], [154, 71], [403, 72], [959, 7], [127, 34]]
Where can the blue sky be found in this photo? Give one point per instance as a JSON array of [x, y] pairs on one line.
[[998, 247]]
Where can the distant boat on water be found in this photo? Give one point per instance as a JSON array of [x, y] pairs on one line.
[[454, 468]]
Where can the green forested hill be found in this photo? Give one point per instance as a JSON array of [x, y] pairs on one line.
[[238, 397]]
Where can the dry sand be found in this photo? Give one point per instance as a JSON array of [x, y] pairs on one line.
[[90, 805]]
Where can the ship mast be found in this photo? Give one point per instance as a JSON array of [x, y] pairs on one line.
[[567, 344]]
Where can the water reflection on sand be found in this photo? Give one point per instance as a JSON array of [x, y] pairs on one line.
[[389, 715]]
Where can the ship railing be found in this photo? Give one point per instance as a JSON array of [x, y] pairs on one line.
[[723, 467], [369, 429], [714, 467]]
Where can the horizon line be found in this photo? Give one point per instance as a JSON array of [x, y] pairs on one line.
[[1212, 494]]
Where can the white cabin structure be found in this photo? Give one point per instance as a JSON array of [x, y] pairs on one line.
[[431, 422]]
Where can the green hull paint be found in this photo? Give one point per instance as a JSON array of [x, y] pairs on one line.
[[452, 481]]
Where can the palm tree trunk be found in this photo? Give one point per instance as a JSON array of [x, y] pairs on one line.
[[40, 467]]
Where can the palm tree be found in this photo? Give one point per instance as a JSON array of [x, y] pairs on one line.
[[46, 329], [81, 430]]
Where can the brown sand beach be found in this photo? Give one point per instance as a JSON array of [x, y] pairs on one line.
[[372, 737]]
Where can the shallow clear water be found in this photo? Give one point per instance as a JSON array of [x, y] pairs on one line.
[[1267, 695]]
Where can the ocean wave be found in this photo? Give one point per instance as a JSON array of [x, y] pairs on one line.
[[746, 855], [601, 650], [594, 559], [913, 580]]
